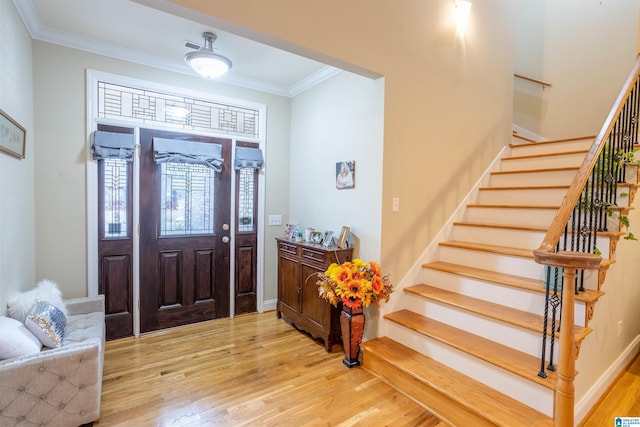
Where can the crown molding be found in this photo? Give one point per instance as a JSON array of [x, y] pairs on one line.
[[37, 31], [313, 80]]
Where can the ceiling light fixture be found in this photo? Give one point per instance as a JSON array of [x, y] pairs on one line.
[[205, 61]]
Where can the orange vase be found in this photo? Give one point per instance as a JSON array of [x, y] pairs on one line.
[[352, 328]]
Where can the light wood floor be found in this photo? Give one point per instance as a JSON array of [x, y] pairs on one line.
[[251, 370], [621, 400]]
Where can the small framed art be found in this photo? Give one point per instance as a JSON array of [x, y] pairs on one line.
[[344, 237], [12, 136], [345, 174], [327, 241], [315, 237]]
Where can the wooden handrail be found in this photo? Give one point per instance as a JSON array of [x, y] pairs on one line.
[[531, 79], [570, 262], [566, 207]]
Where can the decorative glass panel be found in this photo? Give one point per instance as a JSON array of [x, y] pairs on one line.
[[115, 198], [187, 200], [175, 111], [246, 199]]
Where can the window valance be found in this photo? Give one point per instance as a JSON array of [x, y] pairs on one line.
[[248, 158], [177, 151], [112, 145]]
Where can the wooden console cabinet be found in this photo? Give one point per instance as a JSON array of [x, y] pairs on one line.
[[298, 298]]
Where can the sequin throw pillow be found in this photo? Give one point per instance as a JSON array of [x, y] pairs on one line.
[[47, 323]]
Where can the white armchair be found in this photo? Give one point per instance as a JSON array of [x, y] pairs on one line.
[[61, 386]]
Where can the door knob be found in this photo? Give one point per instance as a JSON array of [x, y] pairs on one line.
[[225, 239]]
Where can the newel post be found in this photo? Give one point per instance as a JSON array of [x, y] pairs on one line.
[[570, 262]]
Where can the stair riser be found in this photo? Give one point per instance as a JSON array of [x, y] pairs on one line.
[[603, 244], [556, 147], [524, 267], [622, 200], [522, 197], [524, 239], [517, 266], [529, 301], [562, 177], [509, 216], [546, 162], [513, 336], [531, 394]]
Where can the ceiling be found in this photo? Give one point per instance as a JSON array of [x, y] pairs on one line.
[[135, 31]]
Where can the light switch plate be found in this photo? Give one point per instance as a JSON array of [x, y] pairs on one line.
[[275, 219]]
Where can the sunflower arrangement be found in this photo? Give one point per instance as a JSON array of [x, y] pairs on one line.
[[355, 283]]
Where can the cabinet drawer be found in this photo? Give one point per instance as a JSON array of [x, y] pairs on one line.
[[313, 255], [288, 248]]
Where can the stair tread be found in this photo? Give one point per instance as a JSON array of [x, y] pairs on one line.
[[485, 401], [512, 360], [484, 247], [506, 279], [503, 313], [555, 141], [503, 226], [535, 170], [526, 228], [479, 205], [533, 156], [527, 187]]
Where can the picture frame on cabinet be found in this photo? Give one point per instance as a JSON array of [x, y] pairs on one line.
[[327, 241], [344, 237], [315, 237]]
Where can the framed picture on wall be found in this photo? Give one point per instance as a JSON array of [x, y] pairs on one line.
[[12, 136], [345, 174]]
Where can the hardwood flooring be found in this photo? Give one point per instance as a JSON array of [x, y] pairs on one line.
[[256, 370], [621, 400], [248, 371]]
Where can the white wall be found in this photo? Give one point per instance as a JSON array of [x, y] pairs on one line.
[[60, 177], [585, 49], [17, 258], [340, 119]]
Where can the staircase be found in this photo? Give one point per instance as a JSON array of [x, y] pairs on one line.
[[467, 342]]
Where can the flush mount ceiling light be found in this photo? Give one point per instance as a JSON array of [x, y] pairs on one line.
[[205, 61]]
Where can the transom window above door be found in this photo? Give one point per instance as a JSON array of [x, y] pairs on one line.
[[180, 112]]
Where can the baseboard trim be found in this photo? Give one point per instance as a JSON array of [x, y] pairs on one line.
[[600, 387], [269, 305]]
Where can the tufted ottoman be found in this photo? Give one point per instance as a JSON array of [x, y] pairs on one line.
[[62, 386]]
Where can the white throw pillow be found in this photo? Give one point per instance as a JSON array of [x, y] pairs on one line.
[[47, 323], [21, 305], [16, 340]]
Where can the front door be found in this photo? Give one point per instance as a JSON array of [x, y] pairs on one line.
[[184, 236]]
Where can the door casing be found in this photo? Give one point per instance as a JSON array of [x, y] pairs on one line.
[[93, 77]]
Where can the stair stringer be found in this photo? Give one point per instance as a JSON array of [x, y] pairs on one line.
[[416, 272]]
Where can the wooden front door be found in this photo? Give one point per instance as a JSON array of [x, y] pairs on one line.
[[184, 237]]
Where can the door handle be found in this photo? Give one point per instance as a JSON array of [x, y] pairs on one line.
[[225, 239]]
